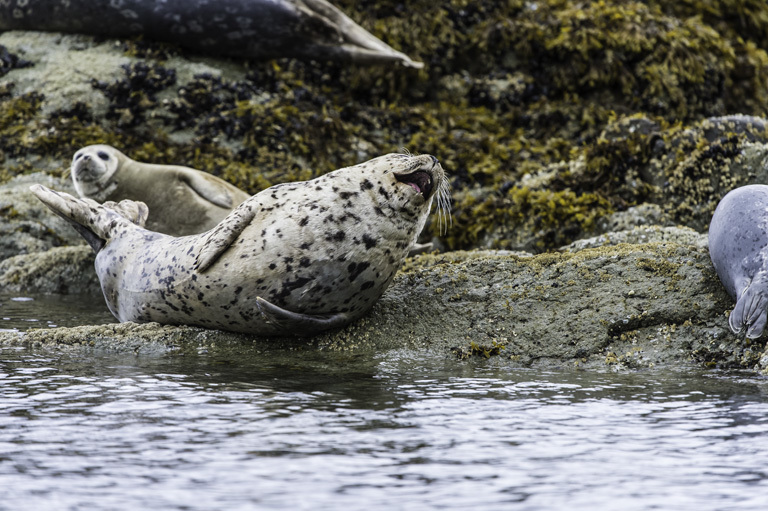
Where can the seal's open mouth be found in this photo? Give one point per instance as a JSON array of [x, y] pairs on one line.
[[420, 180]]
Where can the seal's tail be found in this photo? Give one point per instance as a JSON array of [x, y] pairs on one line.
[[95, 222], [751, 312]]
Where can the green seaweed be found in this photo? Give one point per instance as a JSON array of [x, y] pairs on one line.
[[479, 350]]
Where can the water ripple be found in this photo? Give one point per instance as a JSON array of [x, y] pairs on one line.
[[122, 433]]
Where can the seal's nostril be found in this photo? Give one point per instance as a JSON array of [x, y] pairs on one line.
[[435, 161], [86, 157]]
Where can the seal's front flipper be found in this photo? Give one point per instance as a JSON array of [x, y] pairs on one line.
[[285, 322], [419, 248], [90, 219], [751, 312], [219, 239], [209, 189]]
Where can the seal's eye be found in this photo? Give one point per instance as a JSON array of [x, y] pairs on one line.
[[104, 156]]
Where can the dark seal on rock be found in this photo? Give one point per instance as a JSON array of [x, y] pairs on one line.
[[181, 200], [295, 259], [310, 29], [738, 246]]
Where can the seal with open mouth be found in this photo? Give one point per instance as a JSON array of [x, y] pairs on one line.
[[294, 259]]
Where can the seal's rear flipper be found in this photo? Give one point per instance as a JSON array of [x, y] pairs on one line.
[[292, 323], [357, 43], [90, 219], [134, 211], [751, 311]]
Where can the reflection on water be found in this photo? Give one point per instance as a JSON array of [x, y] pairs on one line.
[[118, 432], [20, 312]]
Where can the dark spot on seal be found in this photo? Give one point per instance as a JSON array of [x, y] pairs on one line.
[[289, 286], [369, 242], [355, 269], [366, 185], [367, 285]]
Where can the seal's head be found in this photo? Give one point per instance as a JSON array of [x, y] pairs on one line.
[[93, 168], [402, 187]]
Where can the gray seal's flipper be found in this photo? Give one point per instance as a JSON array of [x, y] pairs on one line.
[[750, 314], [221, 237], [93, 221], [361, 45], [208, 188], [292, 323]]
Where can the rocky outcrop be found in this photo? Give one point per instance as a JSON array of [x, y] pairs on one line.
[[623, 306], [59, 270], [608, 169], [26, 225]]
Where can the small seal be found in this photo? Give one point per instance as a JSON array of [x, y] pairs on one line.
[[294, 259], [738, 246], [181, 200], [260, 29]]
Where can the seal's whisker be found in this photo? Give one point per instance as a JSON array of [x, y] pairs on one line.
[[444, 207]]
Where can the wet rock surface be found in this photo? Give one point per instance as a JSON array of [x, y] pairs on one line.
[[628, 306]]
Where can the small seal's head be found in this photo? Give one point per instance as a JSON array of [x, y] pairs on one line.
[[93, 168]]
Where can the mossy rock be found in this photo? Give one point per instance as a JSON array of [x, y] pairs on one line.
[[623, 307]]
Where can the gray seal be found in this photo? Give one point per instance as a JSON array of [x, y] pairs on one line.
[[738, 246], [262, 29], [181, 200], [294, 259]]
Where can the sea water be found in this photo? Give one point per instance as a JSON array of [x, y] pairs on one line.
[[99, 431]]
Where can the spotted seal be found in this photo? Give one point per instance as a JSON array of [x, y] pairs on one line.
[[738, 246], [263, 29], [181, 200], [294, 259]]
